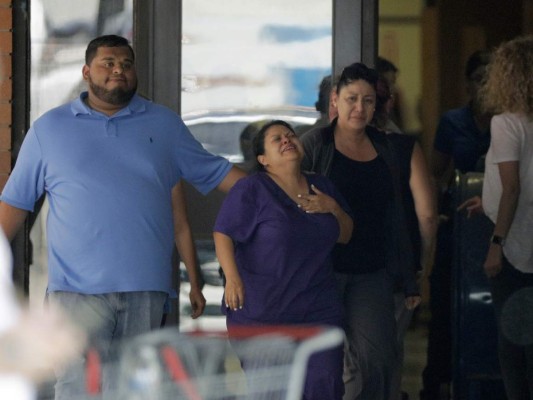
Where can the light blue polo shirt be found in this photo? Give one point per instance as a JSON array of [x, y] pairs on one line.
[[108, 181]]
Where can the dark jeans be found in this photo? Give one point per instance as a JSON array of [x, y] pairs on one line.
[[439, 352], [512, 295], [371, 357]]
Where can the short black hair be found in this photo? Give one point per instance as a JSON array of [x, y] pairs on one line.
[[106, 41]]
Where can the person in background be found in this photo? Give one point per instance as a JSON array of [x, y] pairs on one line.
[[461, 142], [273, 237], [323, 105], [372, 170], [389, 73], [507, 198], [107, 162], [246, 139], [382, 118]]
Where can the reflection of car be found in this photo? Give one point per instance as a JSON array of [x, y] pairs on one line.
[[219, 130]]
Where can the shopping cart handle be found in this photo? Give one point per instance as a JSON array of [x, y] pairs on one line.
[[178, 373]]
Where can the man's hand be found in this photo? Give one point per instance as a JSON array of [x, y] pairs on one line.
[[197, 301]]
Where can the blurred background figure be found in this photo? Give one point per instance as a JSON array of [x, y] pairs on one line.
[[246, 143], [461, 142], [382, 117], [33, 343], [507, 201], [323, 105], [389, 73]]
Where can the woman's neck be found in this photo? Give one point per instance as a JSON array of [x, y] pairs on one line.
[[355, 145], [291, 181]]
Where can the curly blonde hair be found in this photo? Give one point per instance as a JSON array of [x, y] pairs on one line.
[[509, 83]]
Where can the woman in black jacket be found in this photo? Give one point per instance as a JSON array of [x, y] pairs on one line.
[[376, 173]]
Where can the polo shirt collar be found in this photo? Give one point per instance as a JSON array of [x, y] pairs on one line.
[[136, 105]]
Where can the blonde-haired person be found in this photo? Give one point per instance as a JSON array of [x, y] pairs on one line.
[[507, 200]]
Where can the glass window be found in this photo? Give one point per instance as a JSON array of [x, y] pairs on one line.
[[60, 31], [250, 60]]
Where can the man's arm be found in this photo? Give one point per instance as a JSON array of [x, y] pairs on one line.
[[229, 180], [186, 249], [11, 219]]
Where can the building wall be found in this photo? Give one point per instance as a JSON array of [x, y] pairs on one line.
[[6, 88]]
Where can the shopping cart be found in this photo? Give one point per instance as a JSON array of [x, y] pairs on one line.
[[167, 364]]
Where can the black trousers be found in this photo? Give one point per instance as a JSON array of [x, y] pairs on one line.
[[438, 368], [512, 295]]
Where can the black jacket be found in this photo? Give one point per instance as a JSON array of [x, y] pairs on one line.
[[319, 146]]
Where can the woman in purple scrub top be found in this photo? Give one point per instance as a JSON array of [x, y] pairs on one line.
[[273, 236]]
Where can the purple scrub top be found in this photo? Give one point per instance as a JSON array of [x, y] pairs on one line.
[[282, 253]]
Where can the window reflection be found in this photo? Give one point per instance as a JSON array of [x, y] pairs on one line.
[[250, 60]]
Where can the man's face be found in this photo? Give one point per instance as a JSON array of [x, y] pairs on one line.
[[474, 83], [111, 75]]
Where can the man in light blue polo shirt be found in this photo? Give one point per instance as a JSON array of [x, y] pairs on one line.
[[107, 163]]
